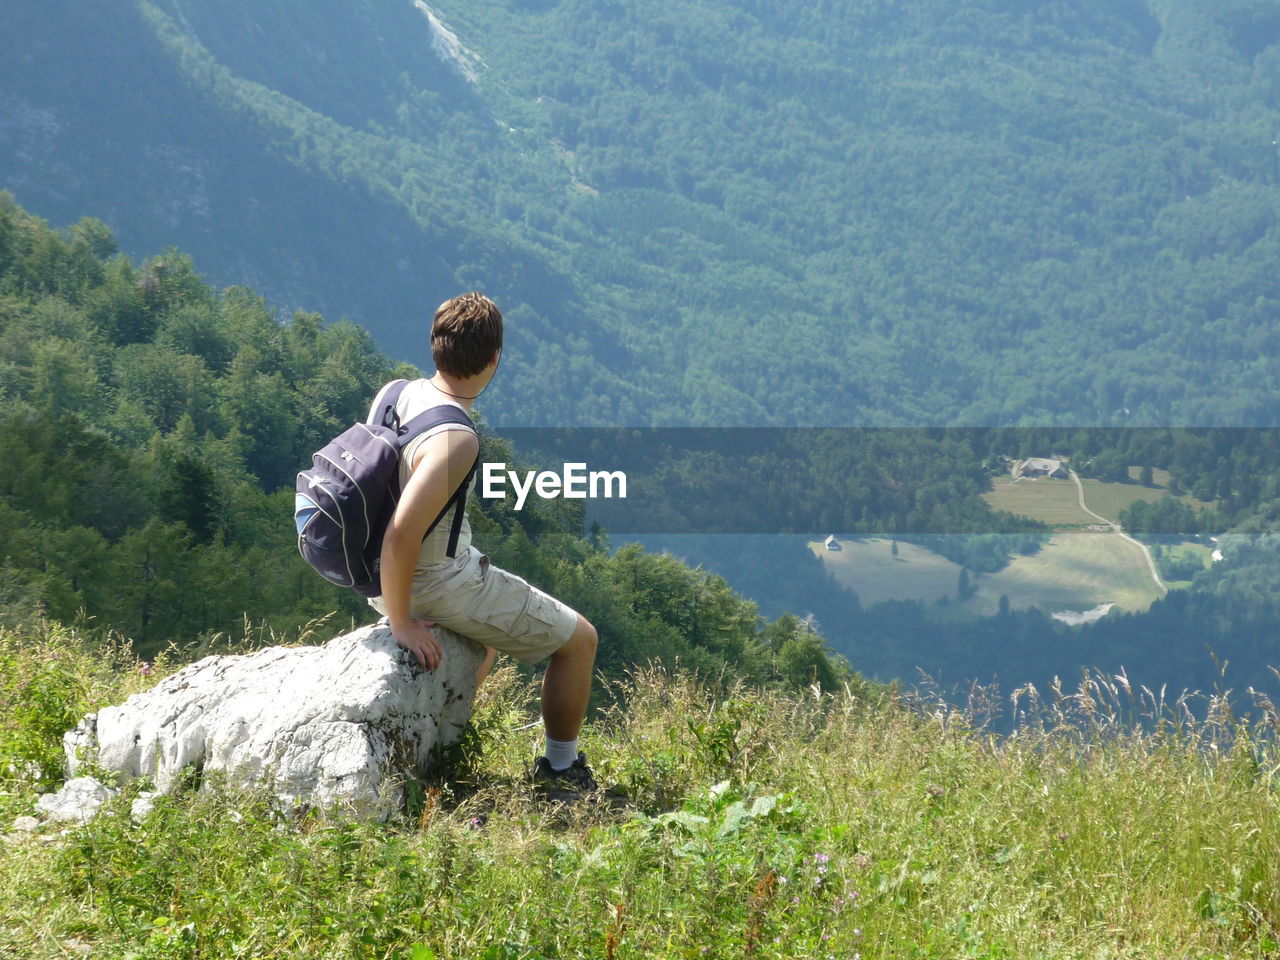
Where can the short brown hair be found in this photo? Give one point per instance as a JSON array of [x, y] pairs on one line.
[[465, 334]]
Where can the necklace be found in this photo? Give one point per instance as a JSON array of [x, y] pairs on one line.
[[456, 396]]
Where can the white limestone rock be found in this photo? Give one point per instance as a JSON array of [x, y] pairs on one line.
[[78, 800], [341, 724], [142, 805]]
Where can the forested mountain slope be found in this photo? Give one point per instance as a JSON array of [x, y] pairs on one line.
[[151, 430], [1002, 211]]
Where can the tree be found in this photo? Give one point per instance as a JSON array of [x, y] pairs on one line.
[[803, 661], [187, 494], [64, 379], [117, 308], [1110, 466], [95, 235]]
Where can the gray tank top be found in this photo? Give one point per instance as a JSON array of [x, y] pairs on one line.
[[434, 566]]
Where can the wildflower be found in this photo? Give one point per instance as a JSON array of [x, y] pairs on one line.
[[144, 668]]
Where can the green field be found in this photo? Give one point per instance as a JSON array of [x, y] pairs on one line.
[[1057, 503], [868, 567], [1081, 567], [1109, 499], [1073, 571], [1050, 501]]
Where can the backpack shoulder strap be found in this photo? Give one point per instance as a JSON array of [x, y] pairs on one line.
[[445, 413], [383, 409]]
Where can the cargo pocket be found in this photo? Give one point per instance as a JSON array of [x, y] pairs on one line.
[[542, 609], [506, 603], [460, 594]]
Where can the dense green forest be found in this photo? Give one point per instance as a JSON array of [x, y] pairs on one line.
[[1023, 212], [152, 428], [999, 212]]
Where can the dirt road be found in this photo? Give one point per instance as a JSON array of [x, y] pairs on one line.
[[1115, 528]]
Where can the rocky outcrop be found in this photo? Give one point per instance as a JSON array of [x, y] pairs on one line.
[[343, 724]]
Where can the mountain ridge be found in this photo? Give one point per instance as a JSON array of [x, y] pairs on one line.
[[1003, 214]]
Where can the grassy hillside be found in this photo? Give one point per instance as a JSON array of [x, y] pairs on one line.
[[1072, 571], [1050, 500], [849, 824], [870, 568], [1056, 502]]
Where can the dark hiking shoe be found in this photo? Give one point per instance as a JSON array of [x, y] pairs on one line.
[[572, 783]]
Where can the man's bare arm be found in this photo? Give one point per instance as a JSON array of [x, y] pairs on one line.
[[440, 466]]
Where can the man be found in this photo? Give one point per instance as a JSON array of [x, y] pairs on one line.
[[422, 585]]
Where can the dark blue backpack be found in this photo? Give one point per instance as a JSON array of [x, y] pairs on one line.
[[345, 501]]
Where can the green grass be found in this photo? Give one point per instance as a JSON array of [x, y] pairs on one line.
[[758, 825], [868, 567], [1109, 499], [1082, 566], [1057, 503], [1051, 501], [1073, 571]]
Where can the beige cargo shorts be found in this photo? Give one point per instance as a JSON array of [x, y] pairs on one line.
[[501, 610]]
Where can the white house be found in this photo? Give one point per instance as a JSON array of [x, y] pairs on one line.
[[1039, 467]]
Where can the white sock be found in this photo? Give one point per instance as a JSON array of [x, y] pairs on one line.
[[561, 753]]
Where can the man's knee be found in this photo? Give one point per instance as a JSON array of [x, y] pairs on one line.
[[582, 642]]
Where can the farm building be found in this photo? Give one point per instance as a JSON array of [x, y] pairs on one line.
[[1039, 467], [831, 543]]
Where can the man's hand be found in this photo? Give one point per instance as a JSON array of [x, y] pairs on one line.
[[416, 637], [445, 460]]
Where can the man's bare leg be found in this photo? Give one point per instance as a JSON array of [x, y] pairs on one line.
[[566, 685], [486, 665]]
